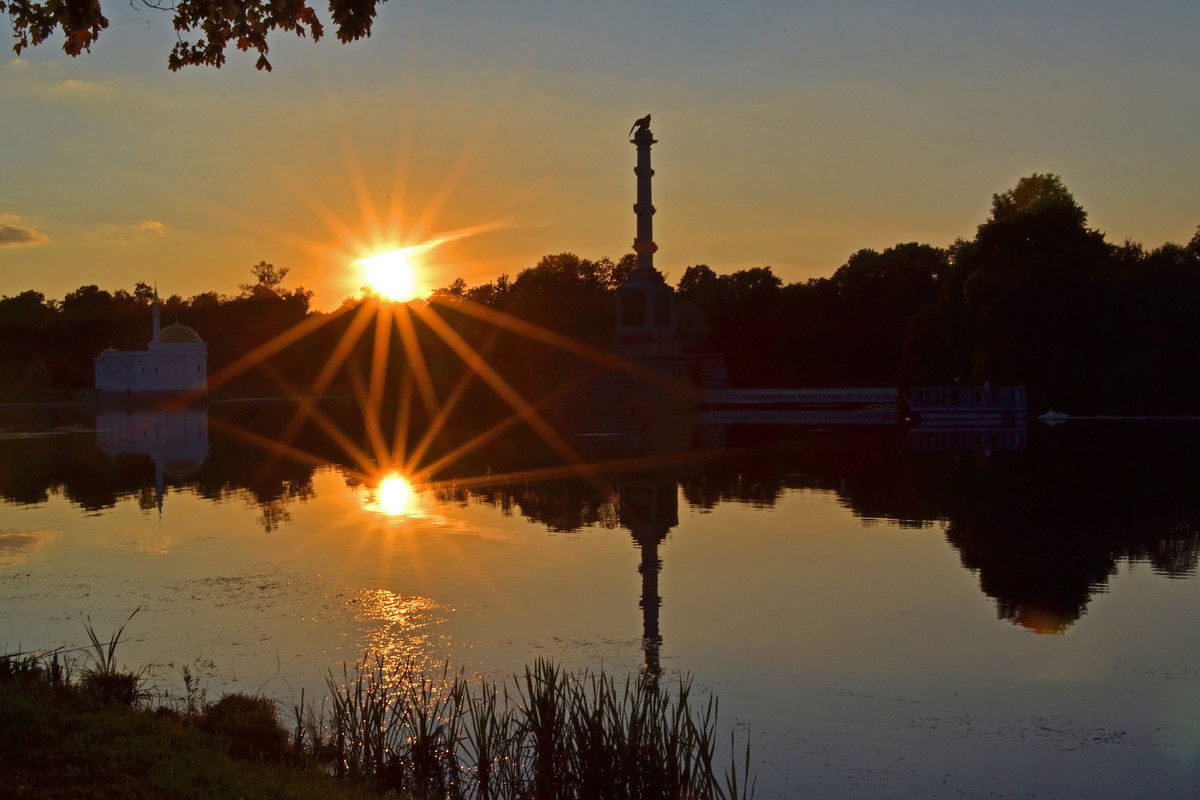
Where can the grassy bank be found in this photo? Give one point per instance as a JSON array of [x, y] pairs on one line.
[[67, 735], [88, 728]]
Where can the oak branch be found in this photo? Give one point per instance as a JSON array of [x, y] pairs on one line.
[[205, 29]]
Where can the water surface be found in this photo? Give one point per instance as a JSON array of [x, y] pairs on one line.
[[878, 615]]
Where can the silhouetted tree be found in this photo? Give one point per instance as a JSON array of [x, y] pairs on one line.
[[736, 311], [27, 339], [267, 279], [1034, 294], [243, 23], [853, 324]]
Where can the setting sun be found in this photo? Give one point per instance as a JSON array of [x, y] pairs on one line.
[[393, 274]]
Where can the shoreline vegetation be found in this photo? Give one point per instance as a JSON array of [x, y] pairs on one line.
[[74, 723], [1035, 298]]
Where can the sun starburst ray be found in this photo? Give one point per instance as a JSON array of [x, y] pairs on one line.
[[598, 356], [501, 387], [269, 445], [403, 418], [333, 363], [439, 421], [482, 134], [341, 351], [356, 454], [590, 471], [477, 441], [441, 418], [378, 381], [416, 361], [272, 346], [359, 187]]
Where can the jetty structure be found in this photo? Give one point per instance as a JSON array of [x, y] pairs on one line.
[[175, 362]]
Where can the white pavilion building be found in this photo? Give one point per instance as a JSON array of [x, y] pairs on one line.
[[176, 360]]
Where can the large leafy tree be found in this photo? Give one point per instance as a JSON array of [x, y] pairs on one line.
[[206, 28], [864, 310], [736, 309], [1039, 298]]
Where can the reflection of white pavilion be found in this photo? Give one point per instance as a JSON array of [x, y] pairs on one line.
[[176, 360], [177, 441]]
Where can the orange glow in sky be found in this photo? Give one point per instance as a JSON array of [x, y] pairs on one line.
[[790, 135]]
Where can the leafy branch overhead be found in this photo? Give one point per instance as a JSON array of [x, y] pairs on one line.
[[205, 28]]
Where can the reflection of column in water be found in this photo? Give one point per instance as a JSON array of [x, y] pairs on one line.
[[650, 603], [649, 509]]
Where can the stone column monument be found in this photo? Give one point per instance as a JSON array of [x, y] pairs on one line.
[[645, 303]]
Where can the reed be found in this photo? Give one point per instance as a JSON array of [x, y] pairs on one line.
[[103, 677], [547, 734], [50, 668], [551, 735]]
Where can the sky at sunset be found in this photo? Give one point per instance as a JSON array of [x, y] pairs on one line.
[[791, 134]]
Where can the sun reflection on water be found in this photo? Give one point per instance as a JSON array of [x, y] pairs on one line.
[[393, 496]]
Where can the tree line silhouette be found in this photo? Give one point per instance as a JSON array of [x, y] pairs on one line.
[[1035, 298]]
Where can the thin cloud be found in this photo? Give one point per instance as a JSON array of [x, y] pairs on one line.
[[126, 232], [151, 226], [74, 86], [12, 235]]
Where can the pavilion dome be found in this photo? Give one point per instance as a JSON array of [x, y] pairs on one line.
[[109, 350], [178, 334]]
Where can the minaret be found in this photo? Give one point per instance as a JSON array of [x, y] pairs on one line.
[[645, 303], [156, 314]]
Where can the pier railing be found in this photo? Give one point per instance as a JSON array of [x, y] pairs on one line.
[[1007, 398], [733, 398]]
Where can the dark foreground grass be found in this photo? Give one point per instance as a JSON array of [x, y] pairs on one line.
[[390, 731], [70, 739]]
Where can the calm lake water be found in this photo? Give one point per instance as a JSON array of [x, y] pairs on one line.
[[882, 614]]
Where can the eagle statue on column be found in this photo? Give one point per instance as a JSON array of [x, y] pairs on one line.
[[641, 125]]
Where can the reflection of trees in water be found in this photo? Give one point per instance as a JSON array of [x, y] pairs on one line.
[[561, 506], [868, 468], [66, 460], [274, 514], [1042, 529], [1044, 533], [55, 454]]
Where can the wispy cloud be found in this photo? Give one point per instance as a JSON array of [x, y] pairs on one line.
[[76, 87], [126, 232], [150, 226], [13, 235]]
